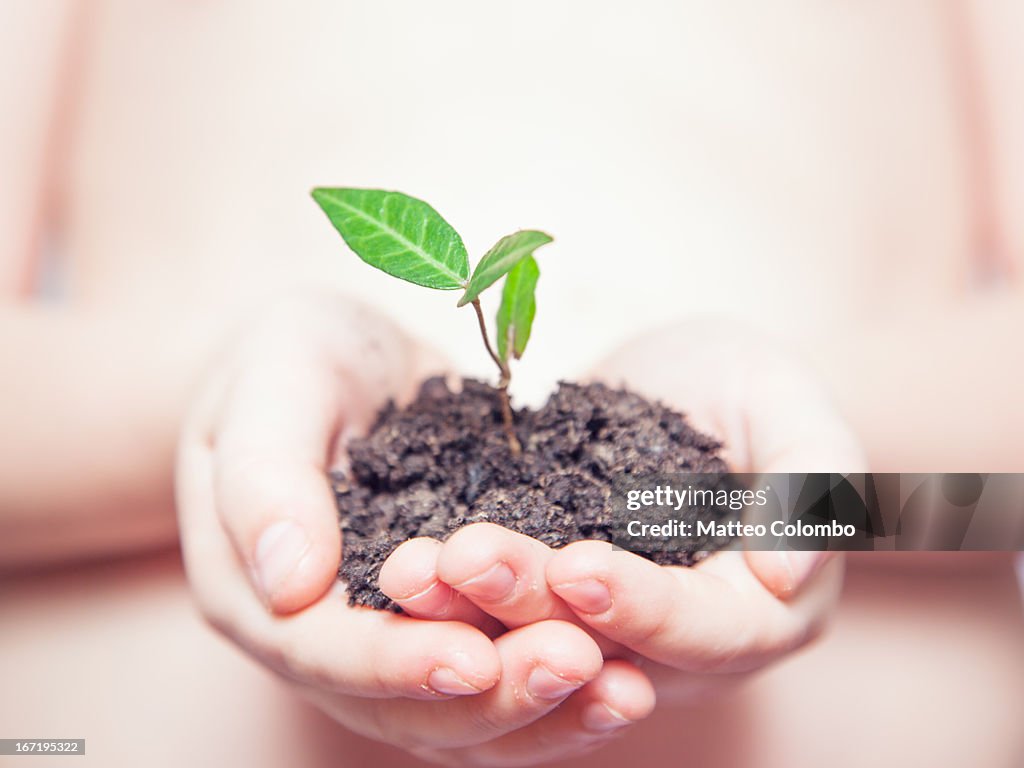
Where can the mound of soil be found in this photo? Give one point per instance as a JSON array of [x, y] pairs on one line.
[[443, 462]]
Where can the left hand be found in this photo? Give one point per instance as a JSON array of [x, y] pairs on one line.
[[252, 462]]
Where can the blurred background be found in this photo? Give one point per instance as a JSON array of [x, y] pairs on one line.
[[847, 178]]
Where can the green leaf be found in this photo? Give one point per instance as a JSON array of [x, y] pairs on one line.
[[497, 262], [518, 306], [399, 234]]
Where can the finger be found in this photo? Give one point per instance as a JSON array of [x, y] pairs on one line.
[[379, 654], [541, 665], [768, 413], [784, 573], [329, 646], [271, 487], [502, 572], [409, 577], [316, 367], [718, 618], [803, 433], [421, 362], [791, 426], [770, 416], [618, 697]]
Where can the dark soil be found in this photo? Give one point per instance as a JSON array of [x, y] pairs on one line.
[[443, 462]]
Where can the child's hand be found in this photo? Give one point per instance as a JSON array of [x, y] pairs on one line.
[[731, 614], [261, 543]]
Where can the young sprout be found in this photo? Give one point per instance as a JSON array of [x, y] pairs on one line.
[[408, 239]]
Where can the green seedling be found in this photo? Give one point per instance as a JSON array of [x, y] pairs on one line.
[[408, 239]]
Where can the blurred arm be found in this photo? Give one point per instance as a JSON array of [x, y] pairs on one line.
[[86, 436], [935, 389], [88, 433], [33, 38]]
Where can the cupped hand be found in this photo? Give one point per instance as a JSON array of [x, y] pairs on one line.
[[693, 628], [262, 546]]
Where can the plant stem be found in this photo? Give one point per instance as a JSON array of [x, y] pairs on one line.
[[503, 382]]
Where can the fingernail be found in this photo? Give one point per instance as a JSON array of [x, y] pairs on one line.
[[278, 552], [545, 684], [590, 596], [495, 584], [600, 718], [801, 565], [420, 596], [446, 681]]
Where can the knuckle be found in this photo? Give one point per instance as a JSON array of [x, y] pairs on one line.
[[728, 657], [484, 722], [476, 534], [562, 632], [646, 626]]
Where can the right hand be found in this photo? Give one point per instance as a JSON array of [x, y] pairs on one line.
[[698, 630], [262, 546]]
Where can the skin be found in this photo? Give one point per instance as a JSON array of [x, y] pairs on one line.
[[867, 243], [422, 685], [247, 468]]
